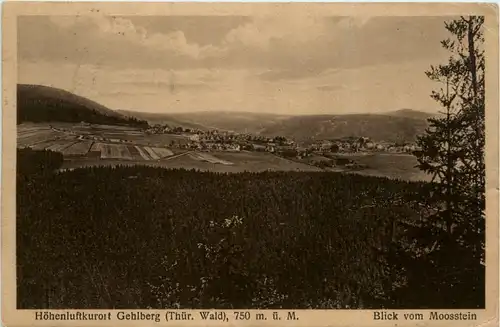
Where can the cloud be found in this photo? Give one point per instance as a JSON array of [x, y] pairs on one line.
[[304, 46], [112, 27], [291, 47], [262, 31]]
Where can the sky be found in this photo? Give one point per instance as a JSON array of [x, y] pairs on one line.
[[275, 63]]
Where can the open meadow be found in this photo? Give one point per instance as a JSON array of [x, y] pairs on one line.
[[391, 165]]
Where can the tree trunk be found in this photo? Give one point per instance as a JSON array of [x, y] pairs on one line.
[[449, 165], [472, 56]]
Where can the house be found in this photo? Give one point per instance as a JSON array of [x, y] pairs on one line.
[[326, 145], [369, 145], [363, 140], [409, 148], [233, 147], [270, 148], [194, 138], [302, 152]]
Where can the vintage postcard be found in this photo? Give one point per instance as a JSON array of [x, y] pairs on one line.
[[253, 164]]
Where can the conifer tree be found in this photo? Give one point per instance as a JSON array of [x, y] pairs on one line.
[[444, 252]]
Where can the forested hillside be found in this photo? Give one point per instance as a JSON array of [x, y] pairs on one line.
[[391, 128], [36, 103], [136, 237]]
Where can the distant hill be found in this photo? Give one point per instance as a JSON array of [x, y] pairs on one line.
[[38, 103], [395, 126], [240, 122], [410, 113], [387, 127], [163, 119]]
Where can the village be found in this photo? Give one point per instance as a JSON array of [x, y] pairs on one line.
[[214, 140], [343, 153]]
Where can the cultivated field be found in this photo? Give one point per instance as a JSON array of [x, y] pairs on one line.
[[162, 152], [143, 153], [151, 153], [112, 151], [31, 135], [60, 146], [78, 149], [45, 144], [83, 141]]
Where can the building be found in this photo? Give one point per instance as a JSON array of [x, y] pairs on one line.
[[234, 147], [194, 138], [270, 148], [369, 145], [326, 145]]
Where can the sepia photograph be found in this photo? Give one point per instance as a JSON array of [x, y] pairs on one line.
[[255, 160]]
